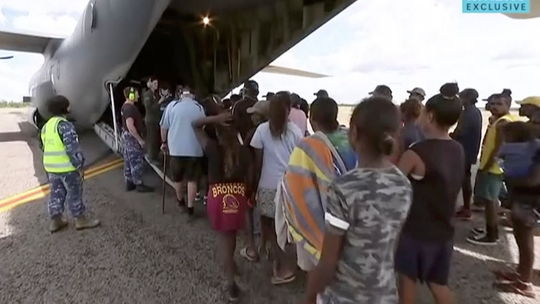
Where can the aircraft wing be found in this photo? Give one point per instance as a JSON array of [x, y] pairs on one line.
[[24, 43], [292, 72], [535, 11]]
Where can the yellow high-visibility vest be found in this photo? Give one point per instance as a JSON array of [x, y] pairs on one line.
[[55, 158], [489, 144]]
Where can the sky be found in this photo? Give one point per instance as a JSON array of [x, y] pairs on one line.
[[402, 44]]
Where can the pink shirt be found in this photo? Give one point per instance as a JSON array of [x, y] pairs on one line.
[[298, 117]]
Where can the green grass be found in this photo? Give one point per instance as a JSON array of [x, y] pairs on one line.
[[11, 104]]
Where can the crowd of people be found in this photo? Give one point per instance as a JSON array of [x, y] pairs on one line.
[[367, 210]]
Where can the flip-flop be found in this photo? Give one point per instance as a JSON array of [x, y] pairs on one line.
[[513, 288], [279, 281], [244, 253]]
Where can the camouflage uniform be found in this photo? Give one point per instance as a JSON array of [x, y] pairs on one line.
[[133, 159], [368, 208], [67, 185]]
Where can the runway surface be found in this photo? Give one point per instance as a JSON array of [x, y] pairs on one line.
[[139, 255]]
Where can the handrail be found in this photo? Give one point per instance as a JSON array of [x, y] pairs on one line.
[[115, 123]]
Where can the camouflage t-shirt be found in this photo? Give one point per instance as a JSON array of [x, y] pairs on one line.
[[368, 207]]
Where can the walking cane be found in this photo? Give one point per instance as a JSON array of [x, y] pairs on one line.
[[165, 156]]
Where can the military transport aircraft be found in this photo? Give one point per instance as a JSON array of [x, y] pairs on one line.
[[210, 45]]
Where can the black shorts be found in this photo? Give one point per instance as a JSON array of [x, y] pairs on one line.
[[185, 168], [428, 262]]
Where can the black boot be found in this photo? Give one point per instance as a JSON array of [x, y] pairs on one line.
[[130, 186]]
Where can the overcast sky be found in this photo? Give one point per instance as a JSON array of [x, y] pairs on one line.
[[399, 43]]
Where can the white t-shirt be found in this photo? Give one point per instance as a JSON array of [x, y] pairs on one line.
[[276, 152]]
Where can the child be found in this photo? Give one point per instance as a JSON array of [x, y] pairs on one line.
[[521, 160], [227, 199], [273, 143], [259, 114], [520, 147], [365, 210], [435, 169]]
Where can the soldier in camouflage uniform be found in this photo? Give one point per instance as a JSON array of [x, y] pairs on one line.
[[132, 130], [63, 161], [365, 210]]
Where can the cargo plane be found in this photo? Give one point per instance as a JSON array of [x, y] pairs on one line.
[[210, 45]]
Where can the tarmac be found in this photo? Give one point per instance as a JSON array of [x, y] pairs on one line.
[[140, 255]]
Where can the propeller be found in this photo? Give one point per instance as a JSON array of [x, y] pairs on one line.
[[6, 57]]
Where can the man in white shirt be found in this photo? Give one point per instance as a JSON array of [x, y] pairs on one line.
[[180, 142]]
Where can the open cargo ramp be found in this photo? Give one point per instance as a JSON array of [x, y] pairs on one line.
[[240, 39]]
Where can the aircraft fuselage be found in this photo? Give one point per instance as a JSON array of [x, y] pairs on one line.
[[101, 49]]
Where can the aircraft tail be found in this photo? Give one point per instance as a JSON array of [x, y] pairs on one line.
[[28, 43]]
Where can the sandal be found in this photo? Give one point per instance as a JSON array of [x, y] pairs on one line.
[[244, 253], [279, 281], [516, 287]]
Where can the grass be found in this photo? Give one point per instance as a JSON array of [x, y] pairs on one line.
[[12, 104]]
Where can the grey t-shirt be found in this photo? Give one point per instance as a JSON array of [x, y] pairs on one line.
[[368, 207]]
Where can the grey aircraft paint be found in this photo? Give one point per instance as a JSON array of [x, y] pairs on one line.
[[111, 33]]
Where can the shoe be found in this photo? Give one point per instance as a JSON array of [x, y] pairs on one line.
[[141, 188], [482, 240], [464, 214], [234, 293], [130, 186], [57, 223], [191, 211], [84, 223]]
